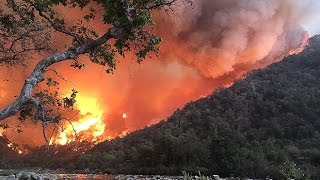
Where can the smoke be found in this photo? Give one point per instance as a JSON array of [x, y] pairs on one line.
[[205, 47], [219, 37]]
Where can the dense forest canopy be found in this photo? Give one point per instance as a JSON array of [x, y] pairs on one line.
[[264, 125]]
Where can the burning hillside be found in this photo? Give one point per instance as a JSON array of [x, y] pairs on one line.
[[266, 124], [206, 47], [9, 150], [90, 126]]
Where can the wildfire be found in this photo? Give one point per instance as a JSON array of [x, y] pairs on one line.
[[302, 46], [1, 131], [124, 116], [14, 147], [89, 127]]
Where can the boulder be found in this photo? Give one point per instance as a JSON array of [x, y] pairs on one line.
[[28, 176]]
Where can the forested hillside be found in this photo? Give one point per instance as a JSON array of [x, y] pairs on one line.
[[265, 125]]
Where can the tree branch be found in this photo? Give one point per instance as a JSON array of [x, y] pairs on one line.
[[56, 27], [25, 98]]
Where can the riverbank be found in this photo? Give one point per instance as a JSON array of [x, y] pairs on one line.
[[52, 175]]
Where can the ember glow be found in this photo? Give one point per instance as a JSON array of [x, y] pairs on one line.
[[15, 147], [89, 127], [206, 47], [303, 45], [124, 116]]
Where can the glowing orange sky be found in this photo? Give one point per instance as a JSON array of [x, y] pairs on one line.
[[204, 48]]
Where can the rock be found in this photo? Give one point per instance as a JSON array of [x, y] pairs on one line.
[[216, 177], [28, 176], [49, 177], [11, 177]]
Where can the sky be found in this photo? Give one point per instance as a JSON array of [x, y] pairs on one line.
[[311, 23]]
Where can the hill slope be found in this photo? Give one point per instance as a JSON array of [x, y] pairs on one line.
[[8, 153], [266, 124]]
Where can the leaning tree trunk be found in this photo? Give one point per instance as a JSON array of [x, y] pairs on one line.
[[25, 98]]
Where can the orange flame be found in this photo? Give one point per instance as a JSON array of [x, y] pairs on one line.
[[89, 127], [124, 116], [302, 46], [15, 147]]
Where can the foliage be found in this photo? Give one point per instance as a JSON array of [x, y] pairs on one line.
[[188, 176], [132, 19], [70, 101], [29, 28], [264, 125]]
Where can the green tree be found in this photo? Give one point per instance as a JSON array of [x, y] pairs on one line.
[[29, 27], [290, 170]]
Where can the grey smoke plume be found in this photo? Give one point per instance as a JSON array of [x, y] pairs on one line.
[[219, 37]]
